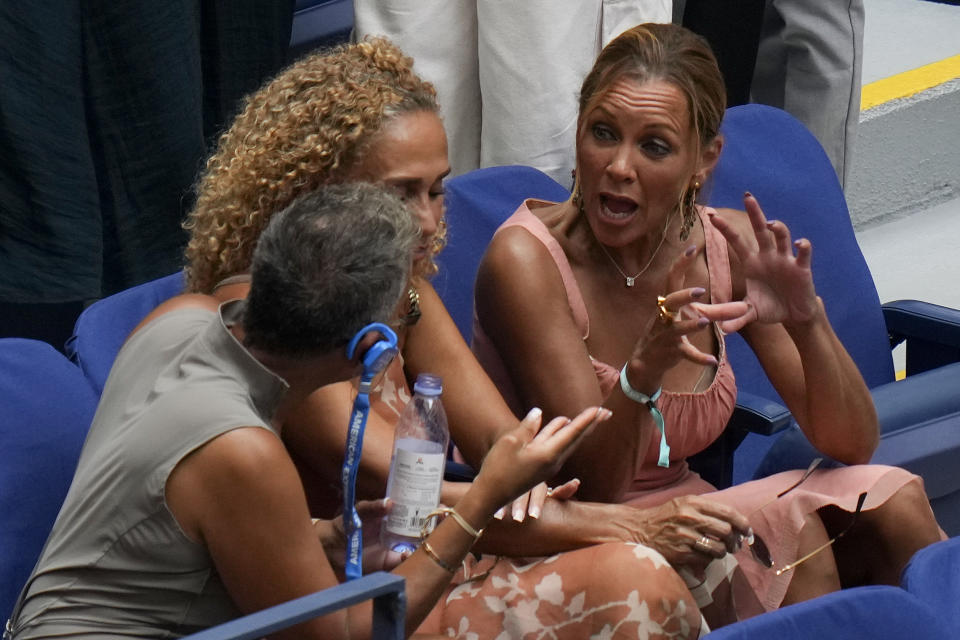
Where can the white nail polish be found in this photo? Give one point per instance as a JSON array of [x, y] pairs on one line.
[[536, 412]]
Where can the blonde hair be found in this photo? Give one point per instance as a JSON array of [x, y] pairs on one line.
[[309, 126]]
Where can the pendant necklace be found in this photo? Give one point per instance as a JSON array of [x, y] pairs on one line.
[[630, 280]]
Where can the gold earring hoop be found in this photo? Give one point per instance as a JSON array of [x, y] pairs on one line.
[[688, 209]]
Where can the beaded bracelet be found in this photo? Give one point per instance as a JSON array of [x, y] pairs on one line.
[[651, 403]]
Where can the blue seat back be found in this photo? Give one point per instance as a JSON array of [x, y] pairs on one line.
[[103, 327], [47, 406], [877, 613], [933, 575], [772, 155], [476, 204]]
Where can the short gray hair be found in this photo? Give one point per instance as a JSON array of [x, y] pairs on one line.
[[334, 260]]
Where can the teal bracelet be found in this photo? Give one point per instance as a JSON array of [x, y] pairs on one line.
[[651, 403]]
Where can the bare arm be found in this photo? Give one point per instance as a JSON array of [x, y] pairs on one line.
[[789, 331], [523, 307], [239, 495], [475, 409]]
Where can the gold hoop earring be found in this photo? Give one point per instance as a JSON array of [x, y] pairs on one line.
[[689, 210]]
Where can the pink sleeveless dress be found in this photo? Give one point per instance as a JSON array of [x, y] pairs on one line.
[[694, 420]]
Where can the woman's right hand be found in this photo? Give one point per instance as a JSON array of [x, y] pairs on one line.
[[691, 531], [665, 342], [528, 455]]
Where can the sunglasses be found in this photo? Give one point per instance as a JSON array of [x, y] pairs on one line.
[[760, 550]]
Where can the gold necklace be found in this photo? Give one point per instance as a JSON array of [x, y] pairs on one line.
[[630, 280]]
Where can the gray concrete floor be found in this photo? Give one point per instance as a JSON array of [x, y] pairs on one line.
[[917, 256]]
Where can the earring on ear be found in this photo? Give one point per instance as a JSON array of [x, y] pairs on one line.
[[577, 197], [689, 210]]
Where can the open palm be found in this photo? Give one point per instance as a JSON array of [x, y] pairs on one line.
[[779, 284]]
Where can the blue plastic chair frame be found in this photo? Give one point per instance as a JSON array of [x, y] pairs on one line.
[[389, 610]]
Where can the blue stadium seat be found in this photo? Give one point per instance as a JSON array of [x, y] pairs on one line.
[[771, 154], [870, 613], [933, 576], [103, 327], [47, 406], [389, 610]]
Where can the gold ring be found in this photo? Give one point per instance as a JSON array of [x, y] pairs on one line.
[[666, 316]]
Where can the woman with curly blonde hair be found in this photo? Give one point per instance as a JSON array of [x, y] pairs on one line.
[[359, 113], [308, 126]]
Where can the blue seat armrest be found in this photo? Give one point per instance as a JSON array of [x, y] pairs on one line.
[[389, 610], [918, 398], [929, 449], [932, 333], [914, 318], [757, 414]]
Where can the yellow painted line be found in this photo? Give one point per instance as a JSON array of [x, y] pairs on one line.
[[909, 83]]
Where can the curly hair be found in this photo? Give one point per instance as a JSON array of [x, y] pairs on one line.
[[309, 126]]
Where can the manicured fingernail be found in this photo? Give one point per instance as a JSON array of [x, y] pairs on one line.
[[689, 251], [770, 223], [518, 515], [747, 194], [502, 511], [697, 292], [713, 361], [534, 512], [702, 322], [534, 413]]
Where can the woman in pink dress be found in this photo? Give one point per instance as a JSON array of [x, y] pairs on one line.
[[621, 296]]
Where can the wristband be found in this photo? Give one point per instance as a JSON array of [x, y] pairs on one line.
[[651, 403]]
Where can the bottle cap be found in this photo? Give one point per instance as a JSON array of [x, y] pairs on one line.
[[428, 384]]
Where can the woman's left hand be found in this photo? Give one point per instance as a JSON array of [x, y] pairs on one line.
[[779, 284]]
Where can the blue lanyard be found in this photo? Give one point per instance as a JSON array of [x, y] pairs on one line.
[[375, 360]]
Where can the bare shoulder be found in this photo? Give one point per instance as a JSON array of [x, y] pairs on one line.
[[178, 303], [516, 252]]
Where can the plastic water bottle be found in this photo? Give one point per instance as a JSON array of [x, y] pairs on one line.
[[416, 468]]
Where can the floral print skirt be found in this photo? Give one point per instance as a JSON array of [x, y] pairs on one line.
[[612, 590]]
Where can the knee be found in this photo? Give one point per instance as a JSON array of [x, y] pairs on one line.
[[643, 574], [909, 510]]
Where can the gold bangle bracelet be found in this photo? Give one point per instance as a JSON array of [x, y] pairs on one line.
[[456, 516], [437, 559]]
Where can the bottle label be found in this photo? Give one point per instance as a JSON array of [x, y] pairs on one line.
[[415, 490]]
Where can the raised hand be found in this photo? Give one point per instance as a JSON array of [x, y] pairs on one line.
[[529, 455], [779, 284], [665, 342]]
